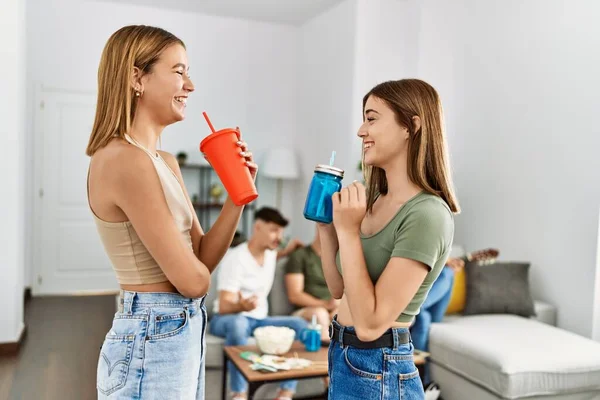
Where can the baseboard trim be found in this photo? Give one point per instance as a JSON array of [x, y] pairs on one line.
[[27, 294], [12, 348]]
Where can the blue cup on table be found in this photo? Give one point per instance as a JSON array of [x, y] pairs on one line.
[[326, 181], [311, 337]]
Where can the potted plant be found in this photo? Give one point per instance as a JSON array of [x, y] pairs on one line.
[[216, 191]]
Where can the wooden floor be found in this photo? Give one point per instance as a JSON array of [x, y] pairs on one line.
[[60, 353], [58, 359]]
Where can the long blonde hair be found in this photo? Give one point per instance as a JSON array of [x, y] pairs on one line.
[[131, 46], [428, 165]]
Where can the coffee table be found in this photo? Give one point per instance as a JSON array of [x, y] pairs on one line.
[[318, 369], [256, 379], [420, 358]]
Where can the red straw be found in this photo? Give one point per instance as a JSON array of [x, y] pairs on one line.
[[212, 128]]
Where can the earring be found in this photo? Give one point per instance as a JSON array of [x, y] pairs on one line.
[[137, 94]]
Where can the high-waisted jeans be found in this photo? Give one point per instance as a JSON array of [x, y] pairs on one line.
[[380, 373], [154, 349]]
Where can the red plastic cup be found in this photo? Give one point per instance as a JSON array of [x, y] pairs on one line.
[[222, 152]]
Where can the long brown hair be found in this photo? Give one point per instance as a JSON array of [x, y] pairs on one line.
[[428, 165], [131, 46]]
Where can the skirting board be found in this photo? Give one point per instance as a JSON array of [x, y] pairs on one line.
[[12, 348]]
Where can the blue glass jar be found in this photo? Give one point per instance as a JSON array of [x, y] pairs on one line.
[[325, 182]]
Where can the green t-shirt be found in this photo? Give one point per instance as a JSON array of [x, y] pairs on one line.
[[422, 230], [306, 262]]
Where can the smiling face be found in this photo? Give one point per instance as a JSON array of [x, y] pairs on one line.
[[269, 234], [165, 89], [384, 139]]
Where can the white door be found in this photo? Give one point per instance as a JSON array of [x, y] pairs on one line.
[[68, 255]]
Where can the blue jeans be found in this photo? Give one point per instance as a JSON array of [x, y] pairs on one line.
[[384, 373], [237, 328], [154, 349], [432, 310]]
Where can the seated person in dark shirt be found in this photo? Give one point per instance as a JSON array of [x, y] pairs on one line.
[[306, 286]]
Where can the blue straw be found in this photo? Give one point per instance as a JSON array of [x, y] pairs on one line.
[[322, 199]]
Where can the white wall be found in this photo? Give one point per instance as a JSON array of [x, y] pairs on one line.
[[325, 88], [519, 80], [244, 71], [596, 313], [12, 162], [386, 49], [518, 84]]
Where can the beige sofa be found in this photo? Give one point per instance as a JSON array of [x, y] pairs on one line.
[[501, 356]]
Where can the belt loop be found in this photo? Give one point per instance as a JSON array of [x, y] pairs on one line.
[[120, 301], [128, 298], [341, 336], [396, 339]]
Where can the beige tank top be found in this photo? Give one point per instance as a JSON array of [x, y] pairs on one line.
[[130, 259]]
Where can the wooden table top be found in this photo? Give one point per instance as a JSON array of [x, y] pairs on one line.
[[420, 357], [317, 369]]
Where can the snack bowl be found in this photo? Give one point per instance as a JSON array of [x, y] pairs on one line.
[[274, 340]]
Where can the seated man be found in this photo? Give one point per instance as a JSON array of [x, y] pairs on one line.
[[435, 305], [306, 286], [244, 281]]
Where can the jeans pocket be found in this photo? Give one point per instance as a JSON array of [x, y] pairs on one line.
[[169, 324], [113, 365], [364, 363], [411, 387]]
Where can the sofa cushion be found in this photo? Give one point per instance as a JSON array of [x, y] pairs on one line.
[[212, 294], [516, 357], [458, 297], [499, 288], [214, 349], [544, 312], [278, 300]]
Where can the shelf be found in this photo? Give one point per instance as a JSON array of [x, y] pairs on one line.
[[204, 205]]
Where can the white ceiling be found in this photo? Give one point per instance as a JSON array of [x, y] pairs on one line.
[[280, 11]]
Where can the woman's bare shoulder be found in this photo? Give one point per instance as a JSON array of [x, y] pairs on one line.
[[119, 157]]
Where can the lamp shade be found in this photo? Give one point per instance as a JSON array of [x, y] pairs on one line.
[[280, 163]]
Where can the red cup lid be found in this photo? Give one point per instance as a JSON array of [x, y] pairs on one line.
[[219, 133]]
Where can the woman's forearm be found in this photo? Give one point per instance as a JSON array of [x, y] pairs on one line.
[[217, 240]]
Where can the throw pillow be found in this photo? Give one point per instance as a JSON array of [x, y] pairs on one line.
[[500, 288], [458, 297]]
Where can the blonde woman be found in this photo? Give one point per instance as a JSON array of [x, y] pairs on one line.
[[161, 257], [388, 242]]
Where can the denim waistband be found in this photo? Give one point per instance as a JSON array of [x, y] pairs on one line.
[[396, 333], [129, 301]]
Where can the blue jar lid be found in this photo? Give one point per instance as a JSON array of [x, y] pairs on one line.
[[328, 169]]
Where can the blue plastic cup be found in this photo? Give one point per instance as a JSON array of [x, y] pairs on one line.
[[311, 338], [326, 181]]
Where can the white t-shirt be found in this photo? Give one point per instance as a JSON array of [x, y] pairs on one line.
[[240, 272]]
